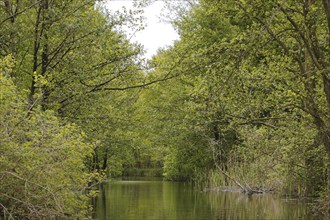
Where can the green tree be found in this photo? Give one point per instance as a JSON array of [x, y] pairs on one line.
[[72, 53], [42, 161], [256, 70]]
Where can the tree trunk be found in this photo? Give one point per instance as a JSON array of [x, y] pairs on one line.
[[35, 58], [314, 164], [45, 51], [321, 120], [105, 159]]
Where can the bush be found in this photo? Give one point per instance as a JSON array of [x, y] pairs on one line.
[[41, 161]]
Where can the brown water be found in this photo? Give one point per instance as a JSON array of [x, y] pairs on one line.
[[146, 199]]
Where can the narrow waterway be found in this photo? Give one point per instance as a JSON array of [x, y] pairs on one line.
[[146, 199]]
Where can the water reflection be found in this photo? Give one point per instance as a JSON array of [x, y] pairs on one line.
[[156, 199]]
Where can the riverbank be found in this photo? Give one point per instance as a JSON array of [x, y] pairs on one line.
[[144, 198], [143, 172]]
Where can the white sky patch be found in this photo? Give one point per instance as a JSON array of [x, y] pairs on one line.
[[157, 34]]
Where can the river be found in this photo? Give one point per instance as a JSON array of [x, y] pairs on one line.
[[146, 199]]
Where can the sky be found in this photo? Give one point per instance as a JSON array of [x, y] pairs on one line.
[[156, 33]]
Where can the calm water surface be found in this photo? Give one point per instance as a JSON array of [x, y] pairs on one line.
[[144, 199]]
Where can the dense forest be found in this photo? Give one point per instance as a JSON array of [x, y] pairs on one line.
[[242, 98]]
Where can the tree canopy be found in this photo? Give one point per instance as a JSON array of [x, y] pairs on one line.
[[242, 98]]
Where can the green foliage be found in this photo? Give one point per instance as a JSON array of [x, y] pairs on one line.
[[165, 129], [257, 90], [42, 168], [243, 96], [73, 59]]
